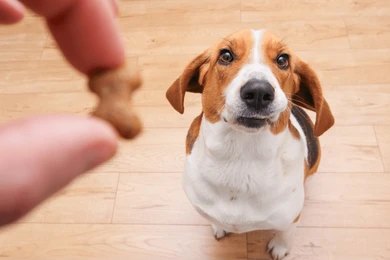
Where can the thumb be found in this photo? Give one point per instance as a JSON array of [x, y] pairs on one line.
[[39, 156], [11, 11]]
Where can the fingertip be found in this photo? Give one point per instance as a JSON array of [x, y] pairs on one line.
[[105, 144], [11, 11], [40, 155], [86, 141]]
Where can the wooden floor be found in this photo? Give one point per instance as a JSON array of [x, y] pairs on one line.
[[134, 207]]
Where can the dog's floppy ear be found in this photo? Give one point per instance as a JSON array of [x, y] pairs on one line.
[[190, 80], [309, 95]]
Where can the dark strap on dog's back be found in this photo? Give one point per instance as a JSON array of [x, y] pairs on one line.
[[311, 140]]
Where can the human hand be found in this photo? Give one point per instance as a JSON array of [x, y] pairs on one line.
[[38, 156], [41, 155], [85, 30]]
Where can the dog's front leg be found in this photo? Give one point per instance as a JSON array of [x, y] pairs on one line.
[[219, 233], [280, 245]]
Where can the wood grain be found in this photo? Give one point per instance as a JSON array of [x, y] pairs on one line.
[[369, 33], [383, 135], [90, 199], [137, 191], [326, 243], [257, 10], [172, 12], [87, 241]]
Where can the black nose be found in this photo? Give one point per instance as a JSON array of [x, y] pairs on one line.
[[257, 94]]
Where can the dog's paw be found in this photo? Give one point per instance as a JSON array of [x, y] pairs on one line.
[[278, 248], [219, 233]]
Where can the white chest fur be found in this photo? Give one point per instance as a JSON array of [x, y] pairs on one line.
[[243, 182]]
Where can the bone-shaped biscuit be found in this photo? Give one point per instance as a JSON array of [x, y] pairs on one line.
[[115, 89]]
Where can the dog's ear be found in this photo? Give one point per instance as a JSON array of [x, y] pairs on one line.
[[190, 80], [309, 95]]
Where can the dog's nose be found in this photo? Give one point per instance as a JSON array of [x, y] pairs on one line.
[[257, 94]]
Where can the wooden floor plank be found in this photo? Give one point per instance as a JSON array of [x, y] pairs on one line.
[[257, 10], [167, 13], [90, 199], [117, 242], [383, 135], [301, 35], [154, 198], [327, 243], [344, 150], [134, 206], [352, 105], [23, 41], [369, 33], [158, 198]]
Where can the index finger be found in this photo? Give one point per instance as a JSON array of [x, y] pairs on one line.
[[85, 30]]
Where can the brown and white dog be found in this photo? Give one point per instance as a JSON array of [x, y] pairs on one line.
[[251, 148]]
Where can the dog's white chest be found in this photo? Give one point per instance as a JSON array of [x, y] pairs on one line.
[[243, 182]]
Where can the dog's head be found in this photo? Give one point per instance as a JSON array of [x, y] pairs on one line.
[[248, 80]]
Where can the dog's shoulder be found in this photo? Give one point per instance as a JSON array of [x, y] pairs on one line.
[[193, 133]]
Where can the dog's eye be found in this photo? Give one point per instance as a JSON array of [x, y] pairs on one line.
[[283, 61], [225, 57]]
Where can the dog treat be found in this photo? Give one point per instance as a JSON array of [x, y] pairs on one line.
[[114, 89]]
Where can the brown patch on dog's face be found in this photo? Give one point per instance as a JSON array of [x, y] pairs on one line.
[[281, 123], [220, 74], [273, 48], [298, 81]]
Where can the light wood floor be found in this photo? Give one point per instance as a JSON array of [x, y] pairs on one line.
[[134, 207]]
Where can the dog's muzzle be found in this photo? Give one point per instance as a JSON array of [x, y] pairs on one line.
[[257, 95]]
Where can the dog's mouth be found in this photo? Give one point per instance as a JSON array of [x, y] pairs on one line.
[[252, 122], [249, 121]]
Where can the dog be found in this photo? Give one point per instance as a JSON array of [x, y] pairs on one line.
[[252, 147]]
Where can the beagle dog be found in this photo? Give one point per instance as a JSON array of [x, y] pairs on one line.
[[252, 147]]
